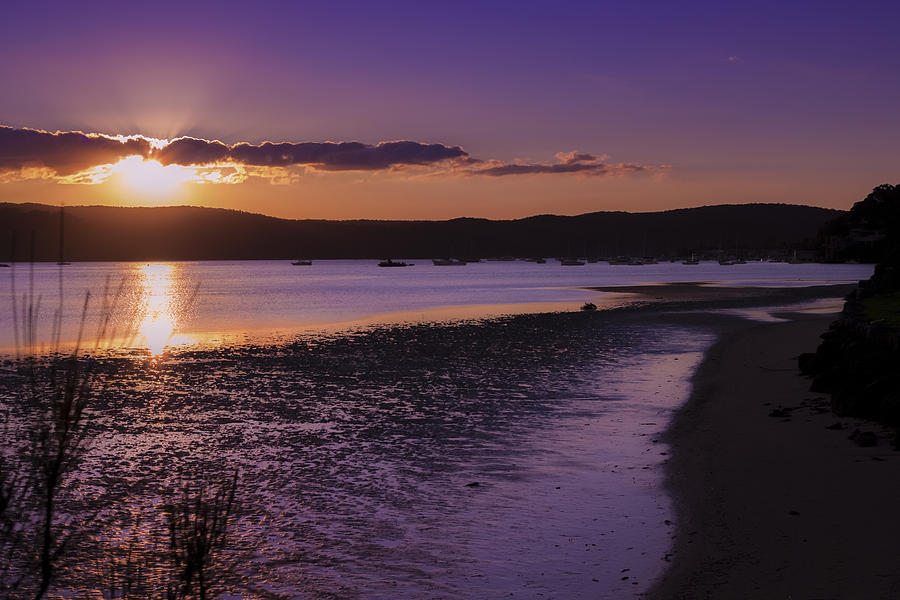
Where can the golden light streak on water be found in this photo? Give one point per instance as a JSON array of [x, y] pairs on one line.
[[158, 313]]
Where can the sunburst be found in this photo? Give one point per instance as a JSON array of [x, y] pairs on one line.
[[149, 177]]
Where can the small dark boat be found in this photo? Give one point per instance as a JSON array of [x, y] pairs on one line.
[[300, 262], [394, 263], [448, 262], [571, 262], [3, 265]]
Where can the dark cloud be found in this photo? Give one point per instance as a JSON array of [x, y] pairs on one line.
[[63, 153], [573, 162], [326, 156], [191, 151], [575, 157]]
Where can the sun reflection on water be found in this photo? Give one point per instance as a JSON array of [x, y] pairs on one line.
[[158, 315]]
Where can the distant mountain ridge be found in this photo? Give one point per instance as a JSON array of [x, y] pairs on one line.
[[195, 233]]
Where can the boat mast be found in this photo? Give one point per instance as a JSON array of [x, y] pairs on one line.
[[62, 238]]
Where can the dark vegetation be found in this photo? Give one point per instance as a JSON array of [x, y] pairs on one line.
[[868, 232], [191, 233], [858, 361]]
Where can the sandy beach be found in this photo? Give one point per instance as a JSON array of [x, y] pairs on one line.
[[772, 499]]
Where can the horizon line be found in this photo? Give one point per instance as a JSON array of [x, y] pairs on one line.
[[462, 217]]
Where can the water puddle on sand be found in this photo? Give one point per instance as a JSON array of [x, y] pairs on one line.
[[775, 314]]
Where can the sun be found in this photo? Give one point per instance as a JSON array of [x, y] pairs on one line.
[[149, 177]]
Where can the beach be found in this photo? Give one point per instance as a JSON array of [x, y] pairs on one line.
[[772, 499]]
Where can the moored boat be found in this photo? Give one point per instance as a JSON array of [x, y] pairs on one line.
[[394, 263]]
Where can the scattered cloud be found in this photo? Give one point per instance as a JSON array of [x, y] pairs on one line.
[[571, 162], [77, 157]]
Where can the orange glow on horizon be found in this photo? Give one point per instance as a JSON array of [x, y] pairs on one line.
[[147, 176], [150, 178]]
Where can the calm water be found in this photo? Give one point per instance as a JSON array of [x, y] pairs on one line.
[[156, 304], [357, 446]]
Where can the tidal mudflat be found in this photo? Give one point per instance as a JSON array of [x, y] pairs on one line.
[[517, 454]]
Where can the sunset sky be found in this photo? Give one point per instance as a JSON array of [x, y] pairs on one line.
[[438, 110]]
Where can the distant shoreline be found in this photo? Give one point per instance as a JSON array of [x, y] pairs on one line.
[[770, 503], [746, 231]]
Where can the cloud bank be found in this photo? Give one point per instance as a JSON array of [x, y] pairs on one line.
[[324, 156], [63, 153], [74, 156]]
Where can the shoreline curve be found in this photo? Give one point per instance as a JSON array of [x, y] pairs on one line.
[[769, 501]]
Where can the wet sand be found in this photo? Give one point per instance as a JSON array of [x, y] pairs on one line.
[[776, 506], [705, 292]]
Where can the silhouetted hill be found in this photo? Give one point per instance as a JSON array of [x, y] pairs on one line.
[[192, 233]]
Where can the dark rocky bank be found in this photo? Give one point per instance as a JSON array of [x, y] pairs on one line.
[[858, 361]]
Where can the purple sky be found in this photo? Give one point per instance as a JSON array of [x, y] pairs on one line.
[[763, 101]]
